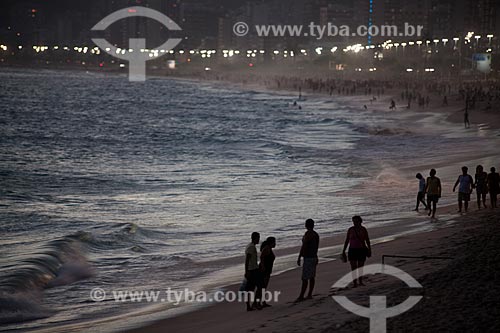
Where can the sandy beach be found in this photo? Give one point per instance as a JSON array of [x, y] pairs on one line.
[[413, 234], [467, 281]]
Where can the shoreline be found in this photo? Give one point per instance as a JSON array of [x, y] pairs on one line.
[[451, 114], [286, 316], [331, 241]]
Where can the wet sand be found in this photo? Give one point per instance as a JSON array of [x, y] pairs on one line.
[[444, 282], [454, 235]]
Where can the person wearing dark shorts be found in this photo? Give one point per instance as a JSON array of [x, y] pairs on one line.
[[481, 179], [253, 275], [359, 248], [493, 187], [267, 258], [465, 185], [433, 190], [308, 251]]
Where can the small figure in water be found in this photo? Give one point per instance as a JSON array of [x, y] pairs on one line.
[[294, 103], [366, 108], [359, 248], [393, 105], [480, 185], [465, 189], [308, 251], [433, 190], [421, 191], [445, 101]]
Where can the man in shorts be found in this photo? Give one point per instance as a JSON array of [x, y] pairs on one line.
[[433, 190], [252, 273], [465, 189], [308, 251]]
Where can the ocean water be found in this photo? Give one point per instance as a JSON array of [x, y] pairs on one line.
[[112, 184]]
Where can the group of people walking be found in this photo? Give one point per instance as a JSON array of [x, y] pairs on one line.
[[257, 275], [357, 242], [482, 182]]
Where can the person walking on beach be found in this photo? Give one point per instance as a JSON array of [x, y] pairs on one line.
[[252, 273], [481, 179], [359, 248], [493, 187], [433, 191], [466, 119], [308, 251], [267, 258], [466, 114], [465, 189], [421, 191]]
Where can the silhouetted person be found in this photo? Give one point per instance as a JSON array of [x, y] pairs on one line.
[[267, 258], [464, 190], [481, 180], [433, 191], [308, 251], [359, 248], [421, 191], [252, 272], [445, 101], [466, 114], [393, 105], [493, 186]]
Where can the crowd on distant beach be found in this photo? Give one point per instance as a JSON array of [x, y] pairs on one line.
[[475, 94]]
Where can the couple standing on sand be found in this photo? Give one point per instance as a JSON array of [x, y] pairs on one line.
[[257, 276]]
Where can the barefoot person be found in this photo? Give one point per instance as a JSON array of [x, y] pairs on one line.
[[465, 189], [267, 258], [252, 273], [308, 251], [481, 179], [493, 186], [433, 190], [359, 248], [421, 191]]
